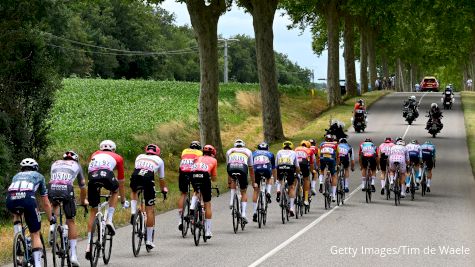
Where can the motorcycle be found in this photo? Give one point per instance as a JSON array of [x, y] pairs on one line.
[[410, 117], [336, 129], [434, 126], [447, 100], [359, 121]]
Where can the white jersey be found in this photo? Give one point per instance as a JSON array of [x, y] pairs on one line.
[[239, 156], [413, 149], [286, 157], [65, 172], [152, 163], [398, 153]]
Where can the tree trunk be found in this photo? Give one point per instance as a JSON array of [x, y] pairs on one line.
[[333, 69], [204, 20], [263, 18], [372, 58], [363, 59], [349, 55]]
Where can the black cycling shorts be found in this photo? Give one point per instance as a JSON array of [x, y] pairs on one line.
[[25, 202], [330, 162], [369, 160], [146, 182], [97, 180], [305, 169], [345, 161], [288, 171], [240, 173], [65, 194], [184, 181], [261, 174], [202, 181], [383, 162], [414, 159], [429, 163]]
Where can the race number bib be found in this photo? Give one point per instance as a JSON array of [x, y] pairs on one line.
[[21, 186], [259, 160], [237, 158]]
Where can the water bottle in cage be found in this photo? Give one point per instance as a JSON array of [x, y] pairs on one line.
[[28, 242]]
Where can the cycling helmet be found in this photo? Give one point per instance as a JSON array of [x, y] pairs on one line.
[[360, 101], [413, 97], [195, 145], [107, 145], [368, 140], [414, 141], [29, 162], [305, 143], [239, 143], [209, 149], [263, 146], [428, 142], [288, 144], [312, 142], [71, 155], [343, 140], [152, 149], [388, 140], [433, 105], [398, 139], [328, 138]]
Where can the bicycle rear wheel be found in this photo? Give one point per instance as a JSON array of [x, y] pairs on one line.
[[424, 183], [106, 246], [264, 214], [397, 191], [260, 209], [197, 224], [137, 233], [44, 258], [412, 187], [235, 213], [368, 190], [19, 250], [59, 249], [283, 206], [298, 199], [338, 192], [185, 217], [95, 244]]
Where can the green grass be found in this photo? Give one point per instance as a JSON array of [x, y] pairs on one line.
[[468, 105]]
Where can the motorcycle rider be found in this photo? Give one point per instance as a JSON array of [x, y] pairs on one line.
[[448, 92], [411, 104], [358, 109], [435, 115]]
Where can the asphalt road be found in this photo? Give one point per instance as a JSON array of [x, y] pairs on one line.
[[354, 234]]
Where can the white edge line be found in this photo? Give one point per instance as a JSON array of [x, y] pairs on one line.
[[299, 233]]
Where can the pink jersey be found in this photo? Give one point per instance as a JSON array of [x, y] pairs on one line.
[[398, 153], [385, 148]]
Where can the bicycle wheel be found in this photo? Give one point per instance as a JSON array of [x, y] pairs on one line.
[[95, 244], [397, 191], [343, 193], [368, 190], [19, 250], [260, 209], [302, 206], [137, 232], [424, 182], [283, 206], [44, 257], [338, 192], [185, 217], [387, 187], [235, 214], [106, 246], [59, 249], [264, 213], [197, 224], [412, 187], [298, 199]]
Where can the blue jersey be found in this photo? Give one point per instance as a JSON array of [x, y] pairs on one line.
[[263, 160], [427, 151], [28, 181], [345, 150]]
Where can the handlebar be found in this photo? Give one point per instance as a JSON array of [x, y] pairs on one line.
[[217, 190]]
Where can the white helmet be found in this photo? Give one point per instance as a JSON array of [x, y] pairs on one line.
[[239, 143], [433, 105], [107, 145], [413, 97], [29, 162], [401, 143]]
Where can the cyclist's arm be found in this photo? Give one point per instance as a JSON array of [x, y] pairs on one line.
[[214, 172], [82, 186], [120, 178], [44, 198]]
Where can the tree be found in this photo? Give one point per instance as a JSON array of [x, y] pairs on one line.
[[349, 54], [263, 17]]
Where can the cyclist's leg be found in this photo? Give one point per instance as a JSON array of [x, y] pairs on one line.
[[93, 194], [135, 182], [363, 165], [332, 170], [232, 187], [372, 162], [149, 198], [382, 167], [243, 182], [323, 165], [314, 178], [183, 182], [402, 172], [305, 169], [291, 182], [256, 183], [346, 167], [69, 207], [206, 193], [430, 165], [278, 183], [33, 221]]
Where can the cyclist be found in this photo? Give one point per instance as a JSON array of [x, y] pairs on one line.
[[264, 168], [315, 167], [188, 156], [428, 157], [398, 153], [327, 157], [287, 164], [239, 165], [204, 170], [368, 155], [101, 174], [346, 156], [383, 154], [63, 174], [21, 199], [414, 151], [306, 159], [143, 177]]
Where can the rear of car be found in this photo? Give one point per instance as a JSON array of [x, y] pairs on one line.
[[429, 84]]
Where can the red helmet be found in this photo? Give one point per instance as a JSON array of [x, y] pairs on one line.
[[388, 140], [209, 149], [152, 149]]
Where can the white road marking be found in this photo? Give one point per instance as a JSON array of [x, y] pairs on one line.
[[299, 233], [409, 126]]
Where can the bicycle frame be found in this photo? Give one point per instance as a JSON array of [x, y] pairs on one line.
[[28, 259]]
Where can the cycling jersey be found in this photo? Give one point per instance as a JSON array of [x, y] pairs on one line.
[[149, 164], [383, 151], [143, 177], [428, 151], [328, 150], [368, 149], [203, 169], [414, 150], [304, 155], [188, 156], [64, 172], [263, 164], [398, 154], [345, 150], [238, 160], [107, 160], [206, 164], [28, 181], [286, 162]]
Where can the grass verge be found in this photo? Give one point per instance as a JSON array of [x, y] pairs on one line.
[[468, 105]]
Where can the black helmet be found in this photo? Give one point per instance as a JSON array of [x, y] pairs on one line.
[[195, 145], [313, 142], [343, 140], [263, 146], [368, 140]]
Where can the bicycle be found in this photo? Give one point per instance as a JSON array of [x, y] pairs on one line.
[[101, 239], [327, 190], [22, 250], [412, 184], [197, 219], [368, 184], [397, 186], [424, 179], [185, 214], [387, 183], [299, 206], [60, 242], [284, 199], [236, 209], [262, 203], [139, 228], [340, 189]]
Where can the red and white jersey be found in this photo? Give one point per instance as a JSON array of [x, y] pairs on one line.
[[107, 160], [385, 148], [152, 163], [398, 153]]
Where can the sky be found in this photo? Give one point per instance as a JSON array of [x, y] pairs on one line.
[[295, 43]]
